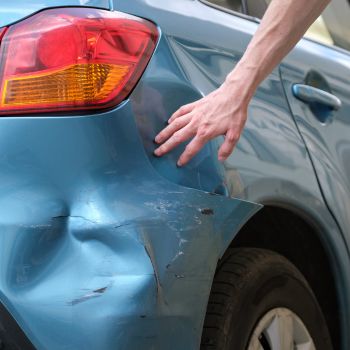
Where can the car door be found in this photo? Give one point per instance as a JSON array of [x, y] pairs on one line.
[[270, 147], [316, 78]]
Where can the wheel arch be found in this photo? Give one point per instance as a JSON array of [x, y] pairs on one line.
[[303, 243]]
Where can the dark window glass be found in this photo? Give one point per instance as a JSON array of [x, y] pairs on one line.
[[332, 28], [256, 8], [336, 18], [234, 5]]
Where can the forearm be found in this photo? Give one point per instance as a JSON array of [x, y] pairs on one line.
[[224, 111], [282, 26]]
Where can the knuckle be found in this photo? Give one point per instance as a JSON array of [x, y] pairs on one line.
[[189, 106], [225, 153], [206, 124], [203, 134], [176, 137], [200, 115], [177, 124], [232, 138]]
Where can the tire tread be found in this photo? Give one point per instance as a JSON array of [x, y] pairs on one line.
[[237, 267]]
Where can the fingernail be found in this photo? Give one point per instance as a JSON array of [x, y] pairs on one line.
[[179, 164], [156, 140], [156, 152], [221, 159]]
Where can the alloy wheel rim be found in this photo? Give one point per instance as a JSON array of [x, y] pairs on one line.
[[281, 329]]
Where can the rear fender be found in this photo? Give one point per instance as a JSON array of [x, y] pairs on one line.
[[98, 248]]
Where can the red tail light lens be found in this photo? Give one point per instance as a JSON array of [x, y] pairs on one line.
[[72, 59], [2, 32]]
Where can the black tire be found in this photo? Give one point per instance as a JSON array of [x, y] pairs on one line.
[[248, 283]]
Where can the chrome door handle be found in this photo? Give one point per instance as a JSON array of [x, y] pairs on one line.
[[313, 96]]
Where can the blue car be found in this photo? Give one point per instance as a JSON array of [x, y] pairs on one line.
[[105, 246]]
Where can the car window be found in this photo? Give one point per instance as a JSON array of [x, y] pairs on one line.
[[319, 32], [256, 8], [233, 5], [331, 28], [336, 20]]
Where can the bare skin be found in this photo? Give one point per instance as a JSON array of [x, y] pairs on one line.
[[224, 111]]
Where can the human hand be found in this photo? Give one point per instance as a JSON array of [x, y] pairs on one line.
[[223, 112]]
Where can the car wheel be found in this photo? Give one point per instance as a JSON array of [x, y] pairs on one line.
[[260, 301]]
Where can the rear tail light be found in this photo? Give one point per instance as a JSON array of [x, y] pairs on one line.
[[2, 32], [72, 59]]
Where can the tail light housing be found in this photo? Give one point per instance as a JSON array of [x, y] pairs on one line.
[[71, 59], [2, 32]]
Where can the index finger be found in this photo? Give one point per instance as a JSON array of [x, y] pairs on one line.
[[181, 111], [191, 150]]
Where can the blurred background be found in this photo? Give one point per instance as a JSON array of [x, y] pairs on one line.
[[331, 28]]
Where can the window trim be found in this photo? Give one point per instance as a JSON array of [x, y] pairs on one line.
[[332, 47], [258, 20], [231, 12]]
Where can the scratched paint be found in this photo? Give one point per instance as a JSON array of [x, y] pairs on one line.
[[96, 247]]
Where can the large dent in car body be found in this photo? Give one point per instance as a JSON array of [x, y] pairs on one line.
[[136, 280], [98, 249]]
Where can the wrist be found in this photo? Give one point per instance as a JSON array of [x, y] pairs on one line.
[[239, 87]]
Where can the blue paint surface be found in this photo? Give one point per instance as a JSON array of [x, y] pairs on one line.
[[104, 245], [95, 244]]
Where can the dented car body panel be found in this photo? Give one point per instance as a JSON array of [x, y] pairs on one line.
[[271, 163], [104, 245], [95, 243]]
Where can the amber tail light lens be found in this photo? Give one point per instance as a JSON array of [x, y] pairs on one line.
[[72, 59]]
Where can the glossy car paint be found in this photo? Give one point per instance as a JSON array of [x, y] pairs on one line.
[[328, 140], [97, 249], [271, 164], [103, 244]]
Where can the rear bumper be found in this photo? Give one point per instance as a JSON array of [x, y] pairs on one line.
[[97, 249]]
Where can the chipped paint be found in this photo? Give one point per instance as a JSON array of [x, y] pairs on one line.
[[93, 294], [93, 253], [150, 254], [97, 248], [207, 211]]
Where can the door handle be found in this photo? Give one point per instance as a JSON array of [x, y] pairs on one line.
[[314, 96]]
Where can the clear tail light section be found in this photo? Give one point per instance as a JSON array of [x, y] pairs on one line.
[[70, 59]]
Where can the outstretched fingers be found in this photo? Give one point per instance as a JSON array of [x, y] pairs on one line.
[[182, 111], [177, 138], [178, 124], [229, 144], [192, 149]]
